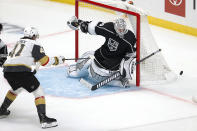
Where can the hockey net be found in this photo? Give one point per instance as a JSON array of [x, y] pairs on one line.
[[155, 69]]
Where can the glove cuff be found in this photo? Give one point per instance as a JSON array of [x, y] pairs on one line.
[[56, 61]]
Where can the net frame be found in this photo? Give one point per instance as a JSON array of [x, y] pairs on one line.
[[117, 10]]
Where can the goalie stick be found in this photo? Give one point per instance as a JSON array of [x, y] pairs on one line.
[[117, 74]]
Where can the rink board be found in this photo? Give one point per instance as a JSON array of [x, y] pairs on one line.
[[56, 82]]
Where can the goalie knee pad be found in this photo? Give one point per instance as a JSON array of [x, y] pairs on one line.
[[127, 67], [98, 74]]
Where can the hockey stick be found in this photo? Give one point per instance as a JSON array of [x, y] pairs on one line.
[[38, 64], [117, 74], [75, 59]]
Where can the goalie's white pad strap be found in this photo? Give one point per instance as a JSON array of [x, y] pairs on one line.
[[91, 27]]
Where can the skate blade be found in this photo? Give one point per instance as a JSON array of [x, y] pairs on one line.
[[3, 116], [49, 125]]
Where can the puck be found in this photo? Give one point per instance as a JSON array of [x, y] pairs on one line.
[[181, 72]]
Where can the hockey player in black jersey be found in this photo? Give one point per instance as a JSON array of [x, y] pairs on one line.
[[3, 49], [19, 74], [118, 47]]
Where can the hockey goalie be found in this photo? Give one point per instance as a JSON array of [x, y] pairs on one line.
[[118, 53]]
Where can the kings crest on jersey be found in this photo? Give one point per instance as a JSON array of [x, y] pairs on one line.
[[112, 45], [115, 47]]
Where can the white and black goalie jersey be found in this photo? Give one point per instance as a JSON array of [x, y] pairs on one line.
[[115, 48], [25, 53]]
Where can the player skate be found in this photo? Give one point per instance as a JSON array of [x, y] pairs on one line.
[[47, 122], [4, 113]]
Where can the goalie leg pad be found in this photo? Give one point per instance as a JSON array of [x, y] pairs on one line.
[[99, 74], [80, 69], [127, 68]]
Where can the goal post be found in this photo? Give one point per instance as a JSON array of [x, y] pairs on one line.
[[155, 69]]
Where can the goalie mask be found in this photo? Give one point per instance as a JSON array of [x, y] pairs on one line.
[[120, 27], [31, 32]]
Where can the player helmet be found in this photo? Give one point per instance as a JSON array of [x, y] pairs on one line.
[[120, 26], [31, 32]]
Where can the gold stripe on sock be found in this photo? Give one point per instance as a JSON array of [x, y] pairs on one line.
[[11, 96], [40, 100]]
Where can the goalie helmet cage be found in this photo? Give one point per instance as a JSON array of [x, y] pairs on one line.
[[153, 70]]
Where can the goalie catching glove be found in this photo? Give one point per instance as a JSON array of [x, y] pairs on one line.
[[74, 24]]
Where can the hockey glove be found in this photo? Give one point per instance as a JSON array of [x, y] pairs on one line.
[[59, 60], [73, 23], [84, 26]]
